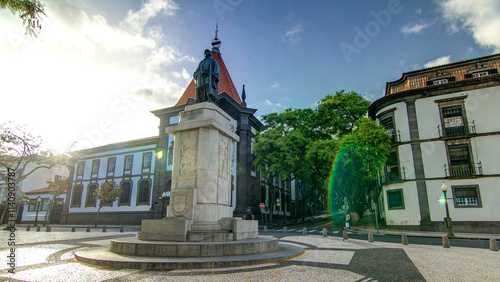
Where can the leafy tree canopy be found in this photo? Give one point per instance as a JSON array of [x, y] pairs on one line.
[[30, 12]]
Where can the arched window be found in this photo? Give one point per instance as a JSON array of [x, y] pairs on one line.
[[126, 193], [76, 199], [143, 192], [90, 201]]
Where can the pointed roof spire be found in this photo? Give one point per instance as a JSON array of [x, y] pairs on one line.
[[216, 42], [225, 82], [243, 97]]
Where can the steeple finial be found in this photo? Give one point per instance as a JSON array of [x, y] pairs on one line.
[[216, 42], [243, 97]]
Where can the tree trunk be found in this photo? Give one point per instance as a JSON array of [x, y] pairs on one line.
[[4, 213], [97, 216]]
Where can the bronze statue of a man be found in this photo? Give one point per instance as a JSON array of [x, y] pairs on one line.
[[207, 79]]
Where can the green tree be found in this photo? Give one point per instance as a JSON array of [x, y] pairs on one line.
[[59, 187], [358, 159], [106, 194], [30, 12], [22, 152]]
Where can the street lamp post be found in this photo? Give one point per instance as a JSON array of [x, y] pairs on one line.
[[277, 207], [38, 200], [163, 196], [444, 188]]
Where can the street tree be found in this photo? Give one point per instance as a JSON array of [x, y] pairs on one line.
[[358, 159], [58, 187], [106, 194], [22, 153], [29, 11]]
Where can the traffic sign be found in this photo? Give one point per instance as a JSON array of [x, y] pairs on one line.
[[262, 205]]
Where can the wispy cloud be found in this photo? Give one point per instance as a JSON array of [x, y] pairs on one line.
[[294, 34], [275, 85], [480, 19], [269, 103], [437, 62], [415, 28]]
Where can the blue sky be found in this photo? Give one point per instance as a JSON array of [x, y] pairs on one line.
[[98, 67]]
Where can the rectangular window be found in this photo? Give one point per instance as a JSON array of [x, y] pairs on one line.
[[392, 172], [90, 200], [79, 170], [388, 124], [453, 121], [146, 160], [466, 196], [111, 164], [128, 162], [440, 81], [479, 74], [460, 160], [95, 166], [395, 199]]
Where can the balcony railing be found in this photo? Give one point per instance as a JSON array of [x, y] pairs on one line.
[[395, 136], [463, 170], [394, 176], [470, 128]]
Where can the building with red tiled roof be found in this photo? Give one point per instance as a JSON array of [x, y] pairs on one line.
[[226, 84]]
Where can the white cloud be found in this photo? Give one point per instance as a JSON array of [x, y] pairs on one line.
[[275, 85], [480, 18], [269, 103], [438, 62], [83, 70], [415, 28], [294, 34]]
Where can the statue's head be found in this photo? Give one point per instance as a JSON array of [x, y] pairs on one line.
[[207, 53]]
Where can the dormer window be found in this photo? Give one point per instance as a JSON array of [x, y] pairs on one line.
[[440, 81], [480, 73]]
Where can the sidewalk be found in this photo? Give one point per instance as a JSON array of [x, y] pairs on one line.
[[458, 235]]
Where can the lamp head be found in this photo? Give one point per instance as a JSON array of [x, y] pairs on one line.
[[39, 199], [444, 188]]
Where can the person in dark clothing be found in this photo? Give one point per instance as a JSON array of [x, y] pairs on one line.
[[248, 214]]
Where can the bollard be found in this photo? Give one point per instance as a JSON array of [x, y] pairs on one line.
[[493, 245], [284, 230], [446, 242], [404, 239], [370, 237], [38, 228], [304, 231], [28, 228], [104, 229], [265, 229], [344, 235], [48, 229], [121, 228], [73, 229], [88, 229], [325, 234]]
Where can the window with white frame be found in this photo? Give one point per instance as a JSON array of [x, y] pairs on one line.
[[95, 166], [111, 164], [146, 160], [128, 162], [466, 196]]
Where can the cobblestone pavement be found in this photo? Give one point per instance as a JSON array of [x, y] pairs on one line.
[[48, 256]]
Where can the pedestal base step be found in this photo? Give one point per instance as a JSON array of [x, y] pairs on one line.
[[135, 247], [105, 258]]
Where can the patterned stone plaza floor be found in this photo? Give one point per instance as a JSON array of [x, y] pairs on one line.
[[48, 256]]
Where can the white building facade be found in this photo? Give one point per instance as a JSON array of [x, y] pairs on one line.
[[129, 165], [445, 128]]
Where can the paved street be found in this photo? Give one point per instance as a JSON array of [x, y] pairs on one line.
[[48, 256]]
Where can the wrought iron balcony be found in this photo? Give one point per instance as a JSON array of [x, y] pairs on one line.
[[465, 129], [463, 170], [393, 176]]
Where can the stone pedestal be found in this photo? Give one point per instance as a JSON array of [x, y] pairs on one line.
[[201, 179]]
